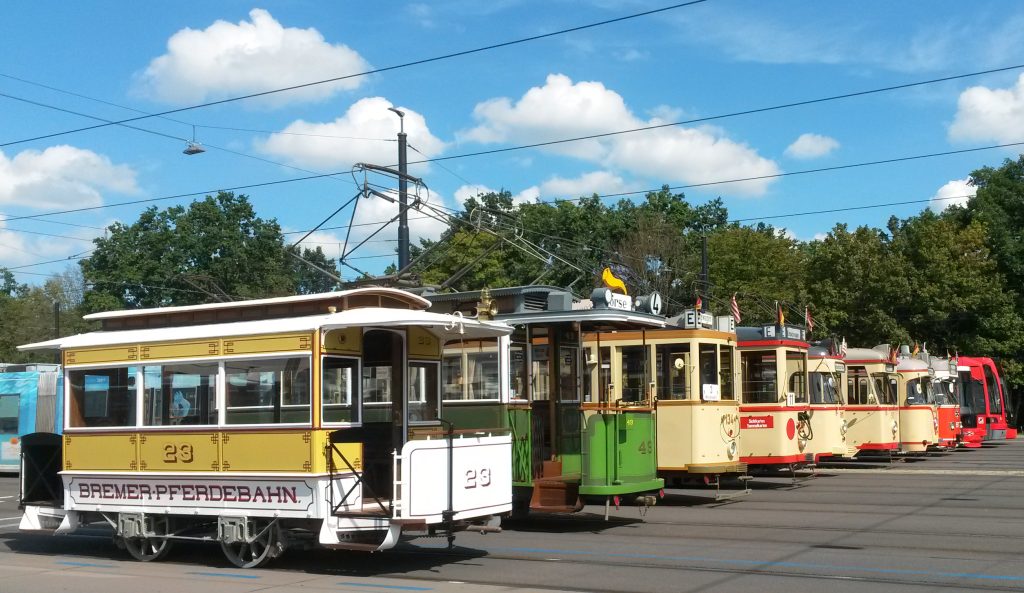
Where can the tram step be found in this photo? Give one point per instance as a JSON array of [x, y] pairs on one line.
[[555, 496]]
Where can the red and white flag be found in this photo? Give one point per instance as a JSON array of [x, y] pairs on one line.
[[808, 320], [735, 309], [699, 303]]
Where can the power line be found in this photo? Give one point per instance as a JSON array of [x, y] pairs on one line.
[[720, 116], [371, 71], [850, 208]]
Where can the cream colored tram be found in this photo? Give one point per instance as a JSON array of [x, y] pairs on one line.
[[919, 418], [827, 385], [265, 424], [872, 413], [775, 430], [946, 383], [693, 376]]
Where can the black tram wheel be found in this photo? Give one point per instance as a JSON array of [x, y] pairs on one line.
[[263, 546], [147, 549]]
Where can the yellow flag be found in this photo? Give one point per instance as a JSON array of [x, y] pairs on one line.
[[612, 282]]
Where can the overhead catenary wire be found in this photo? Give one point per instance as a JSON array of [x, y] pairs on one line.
[[369, 72]]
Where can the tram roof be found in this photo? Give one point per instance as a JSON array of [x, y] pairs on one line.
[[277, 307], [363, 317], [868, 354], [912, 364], [543, 304]]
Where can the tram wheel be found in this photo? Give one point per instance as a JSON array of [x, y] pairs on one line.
[[264, 546], [147, 549]]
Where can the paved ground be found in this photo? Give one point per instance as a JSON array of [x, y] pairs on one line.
[[949, 522]]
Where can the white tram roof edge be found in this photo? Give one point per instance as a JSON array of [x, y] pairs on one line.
[[363, 317], [392, 292]]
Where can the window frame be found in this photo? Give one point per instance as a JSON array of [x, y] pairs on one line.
[[356, 397], [308, 356]]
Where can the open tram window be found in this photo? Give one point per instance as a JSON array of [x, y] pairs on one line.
[[267, 391], [540, 364], [673, 368], [179, 394], [759, 377], [796, 368], [568, 376], [339, 389], [423, 391], [102, 397]]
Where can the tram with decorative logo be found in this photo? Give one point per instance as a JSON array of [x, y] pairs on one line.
[[984, 411], [775, 418], [827, 382], [872, 411], [582, 421], [267, 424], [919, 417], [946, 385], [692, 367]]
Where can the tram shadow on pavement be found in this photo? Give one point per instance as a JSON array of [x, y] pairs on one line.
[[582, 522], [406, 557]]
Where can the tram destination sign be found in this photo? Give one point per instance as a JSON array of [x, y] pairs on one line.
[[752, 422]]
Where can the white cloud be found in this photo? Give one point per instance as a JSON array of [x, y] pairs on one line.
[[955, 193], [819, 236], [61, 176], [466, 192], [985, 114], [365, 133], [19, 248], [228, 59], [564, 109], [595, 182], [811, 146]]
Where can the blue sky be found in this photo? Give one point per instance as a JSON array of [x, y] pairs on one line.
[[712, 58]]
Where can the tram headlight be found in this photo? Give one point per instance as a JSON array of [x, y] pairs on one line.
[[936, 422], [732, 449], [895, 427], [844, 427], [952, 425]]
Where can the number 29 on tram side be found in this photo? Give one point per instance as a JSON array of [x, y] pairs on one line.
[[265, 424]]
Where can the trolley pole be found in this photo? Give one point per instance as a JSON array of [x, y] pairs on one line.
[[704, 266], [56, 326], [403, 193]]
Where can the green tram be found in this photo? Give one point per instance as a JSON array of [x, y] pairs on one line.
[[580, 428]]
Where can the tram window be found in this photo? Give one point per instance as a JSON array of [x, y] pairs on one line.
[[708, 356], [759, 377], [824, 388], [267, 391], [857, 389], [673, 366], [517, 369], [725, 372], [9, 412], [973, 393], [885, 388], [995, 403], [540, 374], [102, 397], [470, 370], [423, 391], [796, 367], [604, 374], [339, 389], [916, 395], [634, 373], [179, 394], [568, 377]]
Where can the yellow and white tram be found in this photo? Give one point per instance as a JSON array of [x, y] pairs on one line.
[[775, 428], [264, 424], [872, 413], [919, 419], [694, 376], [827, 383]]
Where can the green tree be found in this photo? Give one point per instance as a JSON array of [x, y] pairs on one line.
[[215, 249]]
